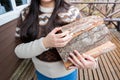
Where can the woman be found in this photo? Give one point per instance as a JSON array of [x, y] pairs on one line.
[[38, 30]]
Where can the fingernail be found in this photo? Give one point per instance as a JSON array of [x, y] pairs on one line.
[[84, 54], [69, 58], [75, 50], [70, 53], [70, 67], [68, 31], [71, 34]]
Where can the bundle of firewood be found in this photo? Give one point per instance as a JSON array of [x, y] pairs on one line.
[[90, 36]]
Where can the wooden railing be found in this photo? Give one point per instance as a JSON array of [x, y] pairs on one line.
[[108, 17]]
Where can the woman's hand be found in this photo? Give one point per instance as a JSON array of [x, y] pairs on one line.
[[56, 40], [82, 61]]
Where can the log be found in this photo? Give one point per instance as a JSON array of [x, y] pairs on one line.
[[88, 34], [96, 52], [80, 26]]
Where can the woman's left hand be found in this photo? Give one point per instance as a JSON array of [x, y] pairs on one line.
[[82, 61]]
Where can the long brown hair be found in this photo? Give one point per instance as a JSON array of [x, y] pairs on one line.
[[30, 26]]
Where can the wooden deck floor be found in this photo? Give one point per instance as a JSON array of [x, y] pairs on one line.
[[109, 67]]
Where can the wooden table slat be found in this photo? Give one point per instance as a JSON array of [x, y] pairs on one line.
[[86, 74], [111, 68], [107, 68], [90, 74], [100, 74], [113, 62], [81, 74], [102, 68], [95, 75]]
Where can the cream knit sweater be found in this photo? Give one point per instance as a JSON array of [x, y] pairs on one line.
[[36, 47]]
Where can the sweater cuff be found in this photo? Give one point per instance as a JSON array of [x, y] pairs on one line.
[[41, 42]]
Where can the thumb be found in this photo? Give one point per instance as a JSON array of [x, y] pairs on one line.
[[56, 30]]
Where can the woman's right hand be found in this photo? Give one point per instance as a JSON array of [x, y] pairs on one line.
[[56, 40]]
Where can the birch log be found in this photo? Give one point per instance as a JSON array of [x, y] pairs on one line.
[[88, 34]]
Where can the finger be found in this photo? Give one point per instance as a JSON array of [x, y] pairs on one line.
[[56, 30], [76, 60], [80, 57], [60, 35], [73, 67], [88, 57], [62, 44], [90, 61], [77, 54], [66, 39], [96, 63], [71, 60]]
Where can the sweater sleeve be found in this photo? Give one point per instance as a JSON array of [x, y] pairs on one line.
[[31, 49], [27, 50]]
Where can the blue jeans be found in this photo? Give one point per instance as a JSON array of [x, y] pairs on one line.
[[71, 76]]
